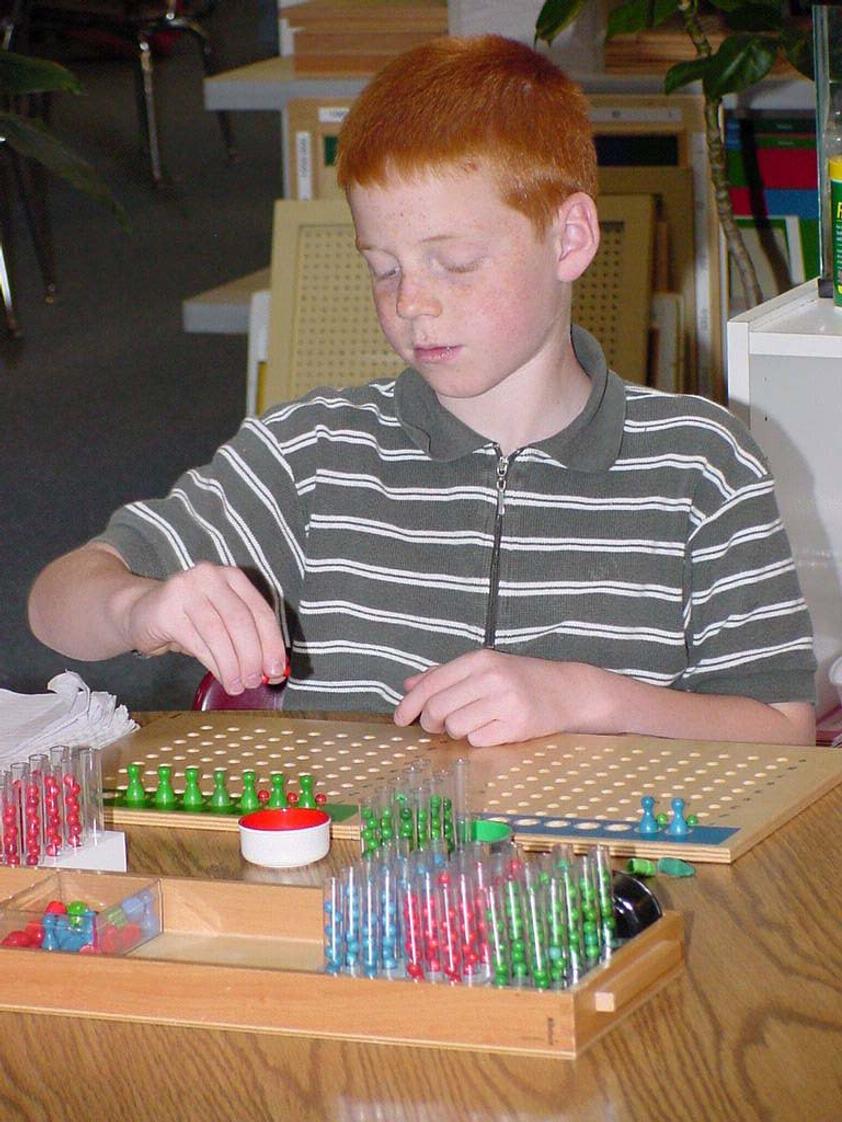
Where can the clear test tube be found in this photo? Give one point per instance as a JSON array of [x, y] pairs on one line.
[[20, 777], [461, 808], [515, 912], [605, 893], [369, 825], [425, 881], [71, 793], [423, 795], [450, 932], [390, 925], [12, 844], [352, 920], [33, 808], [334, 937], [369, 920], [88, 767], [536, 931], [591, 916], [53, 803], [412, 936], [499, 952], [472, 926], [558, 931]]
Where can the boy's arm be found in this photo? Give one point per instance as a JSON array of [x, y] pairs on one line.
[[89, 605], [493, 698]]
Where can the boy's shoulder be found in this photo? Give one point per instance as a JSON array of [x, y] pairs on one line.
[[369, 405], [689, 425]]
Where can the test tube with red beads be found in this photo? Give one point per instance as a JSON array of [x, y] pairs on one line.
[[20, 777], [412, 934], [71, 794], [11, 821], [54, 802], [32, 808]]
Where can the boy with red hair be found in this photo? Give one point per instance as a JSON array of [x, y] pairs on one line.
[[504, 542]]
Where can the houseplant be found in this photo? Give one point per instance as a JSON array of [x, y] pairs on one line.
[[758, 34], [21, 77]]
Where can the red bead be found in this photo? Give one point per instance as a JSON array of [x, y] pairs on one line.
[[35, 931], [263, 796], [321, 798], [55, 908], [17, 939], [415, 970], [292, 798]]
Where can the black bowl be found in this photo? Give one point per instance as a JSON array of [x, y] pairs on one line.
[[635, 905]]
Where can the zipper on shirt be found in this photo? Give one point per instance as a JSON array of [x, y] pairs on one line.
[[503, 465]]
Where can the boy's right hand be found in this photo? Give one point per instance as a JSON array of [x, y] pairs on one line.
[[89, 605], [215, 614]]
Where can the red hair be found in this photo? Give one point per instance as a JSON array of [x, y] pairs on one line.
[[460, 102]]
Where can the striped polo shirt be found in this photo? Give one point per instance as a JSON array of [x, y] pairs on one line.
[[644, 538]]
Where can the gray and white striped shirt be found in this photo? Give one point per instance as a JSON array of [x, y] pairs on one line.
[[644, 538]]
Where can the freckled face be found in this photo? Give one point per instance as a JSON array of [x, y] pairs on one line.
[[465, 290]]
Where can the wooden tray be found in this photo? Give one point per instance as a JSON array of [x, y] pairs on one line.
[[244, 956]]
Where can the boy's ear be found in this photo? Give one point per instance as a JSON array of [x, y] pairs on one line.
[[577, 231]]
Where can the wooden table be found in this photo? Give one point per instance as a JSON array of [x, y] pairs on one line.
[[751, 1030]]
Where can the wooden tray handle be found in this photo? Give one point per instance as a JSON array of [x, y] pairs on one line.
[[642, 972]]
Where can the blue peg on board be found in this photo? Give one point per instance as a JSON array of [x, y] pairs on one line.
[[678, 827], [648, 822]]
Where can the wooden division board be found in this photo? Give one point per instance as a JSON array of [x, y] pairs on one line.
[[565, 788]]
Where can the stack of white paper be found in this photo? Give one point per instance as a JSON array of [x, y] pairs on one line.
[[70, 714]]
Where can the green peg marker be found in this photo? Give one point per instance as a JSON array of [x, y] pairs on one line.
[[192, 799], [220, 800], [675, 867], [306, 798], [641, 867], [663, 819], [135, 794], [248, 801], [165, 795], [278, 797]]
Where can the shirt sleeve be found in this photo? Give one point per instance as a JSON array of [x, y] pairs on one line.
[[748, 628], [244, 508]]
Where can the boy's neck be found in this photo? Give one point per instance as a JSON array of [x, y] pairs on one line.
[[527, 407]]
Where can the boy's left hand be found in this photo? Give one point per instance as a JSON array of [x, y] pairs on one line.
[[491, 698]]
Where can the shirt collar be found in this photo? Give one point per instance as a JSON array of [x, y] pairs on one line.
[[590, 442]]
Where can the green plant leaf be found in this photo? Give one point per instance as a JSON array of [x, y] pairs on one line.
[[684, 72], [20, 74], [741, 61], [636, 15], [554, 17], [31, 139], [798, 48]]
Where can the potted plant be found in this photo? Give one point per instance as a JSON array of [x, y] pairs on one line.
[[758, 34]]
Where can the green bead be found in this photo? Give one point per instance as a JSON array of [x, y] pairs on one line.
[[662, 819], [692, 819]]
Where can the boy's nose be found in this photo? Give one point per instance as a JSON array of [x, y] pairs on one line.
[[416, 299]]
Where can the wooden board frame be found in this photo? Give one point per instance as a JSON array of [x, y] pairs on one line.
[[555, 789], [211, 992]]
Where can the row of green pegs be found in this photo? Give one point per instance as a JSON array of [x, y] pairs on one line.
[[220, 801]]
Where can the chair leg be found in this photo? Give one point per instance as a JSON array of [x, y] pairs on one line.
[[146, 106], [210, 67], [12, 325], [32, 186]]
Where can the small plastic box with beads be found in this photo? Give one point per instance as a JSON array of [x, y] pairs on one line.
[[82, 913]]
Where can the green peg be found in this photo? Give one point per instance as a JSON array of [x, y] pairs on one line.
[[135, 794], [278, 798], [306, 798], [165, 795], [641, 867], [220, 800], [248, 800], [675, 867], [192, 799]]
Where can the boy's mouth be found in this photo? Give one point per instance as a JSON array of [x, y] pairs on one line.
[[435, 354]]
